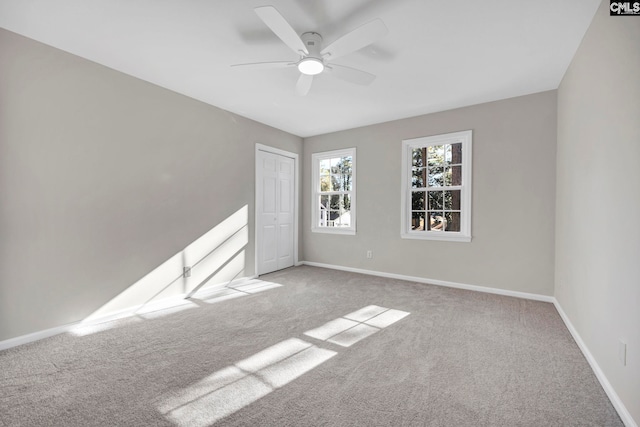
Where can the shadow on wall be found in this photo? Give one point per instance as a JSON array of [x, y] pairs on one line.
[[215, 258]]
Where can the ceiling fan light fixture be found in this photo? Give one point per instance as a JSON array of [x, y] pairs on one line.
[[310, 66]]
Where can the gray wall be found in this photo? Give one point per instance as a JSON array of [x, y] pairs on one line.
[[514, 145], [598, 198], [103, 178]]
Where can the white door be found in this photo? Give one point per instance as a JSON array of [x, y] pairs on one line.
[[275, 203]]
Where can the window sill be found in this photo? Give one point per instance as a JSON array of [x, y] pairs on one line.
[[441, 236], [344, 231]]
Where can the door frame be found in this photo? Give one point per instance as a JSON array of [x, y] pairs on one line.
[[296, 192]]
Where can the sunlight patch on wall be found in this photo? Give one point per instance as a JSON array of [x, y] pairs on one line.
[[146, 289], [215, 258], [207, 268], [233, 269], [216, 237]]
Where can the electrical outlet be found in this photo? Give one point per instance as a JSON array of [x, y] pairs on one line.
[[186, 272], [622, 352], [369, 254]]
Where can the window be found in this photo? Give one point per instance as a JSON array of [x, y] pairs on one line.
[[334, 192], [436, 187]]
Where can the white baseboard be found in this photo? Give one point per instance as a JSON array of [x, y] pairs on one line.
[[625, 416], [35, 336], [171, 302], [498, 291]]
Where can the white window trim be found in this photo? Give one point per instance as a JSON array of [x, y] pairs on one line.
[[315, 186], [464, 235]]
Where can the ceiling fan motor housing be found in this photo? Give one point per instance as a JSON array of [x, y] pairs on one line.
[[313, 42], [312, 63]]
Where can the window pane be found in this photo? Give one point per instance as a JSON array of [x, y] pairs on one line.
[[453, 176], [456, 153], [325, 182], [340, 210], [346, 202], [418, 178], [334, 164], [334, 204], [325, 166], [452, 200], [436, 177], [417, 221], [345, 210], [453, 221], [453, 153], [346, 182], [344, 220], [334, 219], [437, 221], [340, 213], [435, 200], [336, 183], [417, 156], [341, 165], [417, 201], [435, 155], [341, 171], [323, 215]]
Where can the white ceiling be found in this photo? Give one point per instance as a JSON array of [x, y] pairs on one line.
[[437, 55]]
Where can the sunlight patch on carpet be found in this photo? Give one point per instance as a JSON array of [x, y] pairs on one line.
[[232, 388], [356, 326], [253, 286], [93, 328]]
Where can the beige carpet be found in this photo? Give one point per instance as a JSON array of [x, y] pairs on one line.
[[312, 347]]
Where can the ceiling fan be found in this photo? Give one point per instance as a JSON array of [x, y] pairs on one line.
[[314, 59]]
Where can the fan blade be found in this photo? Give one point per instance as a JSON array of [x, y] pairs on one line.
[[266, 65], [356, 39], [351, 75], [274, 20], [304, 84]]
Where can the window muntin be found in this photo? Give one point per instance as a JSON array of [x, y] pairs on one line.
[[436, 187], [334, 191]]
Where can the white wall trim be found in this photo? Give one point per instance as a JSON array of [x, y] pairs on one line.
[[604, 382], [171, 302], [35, 336], [497, 291]]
